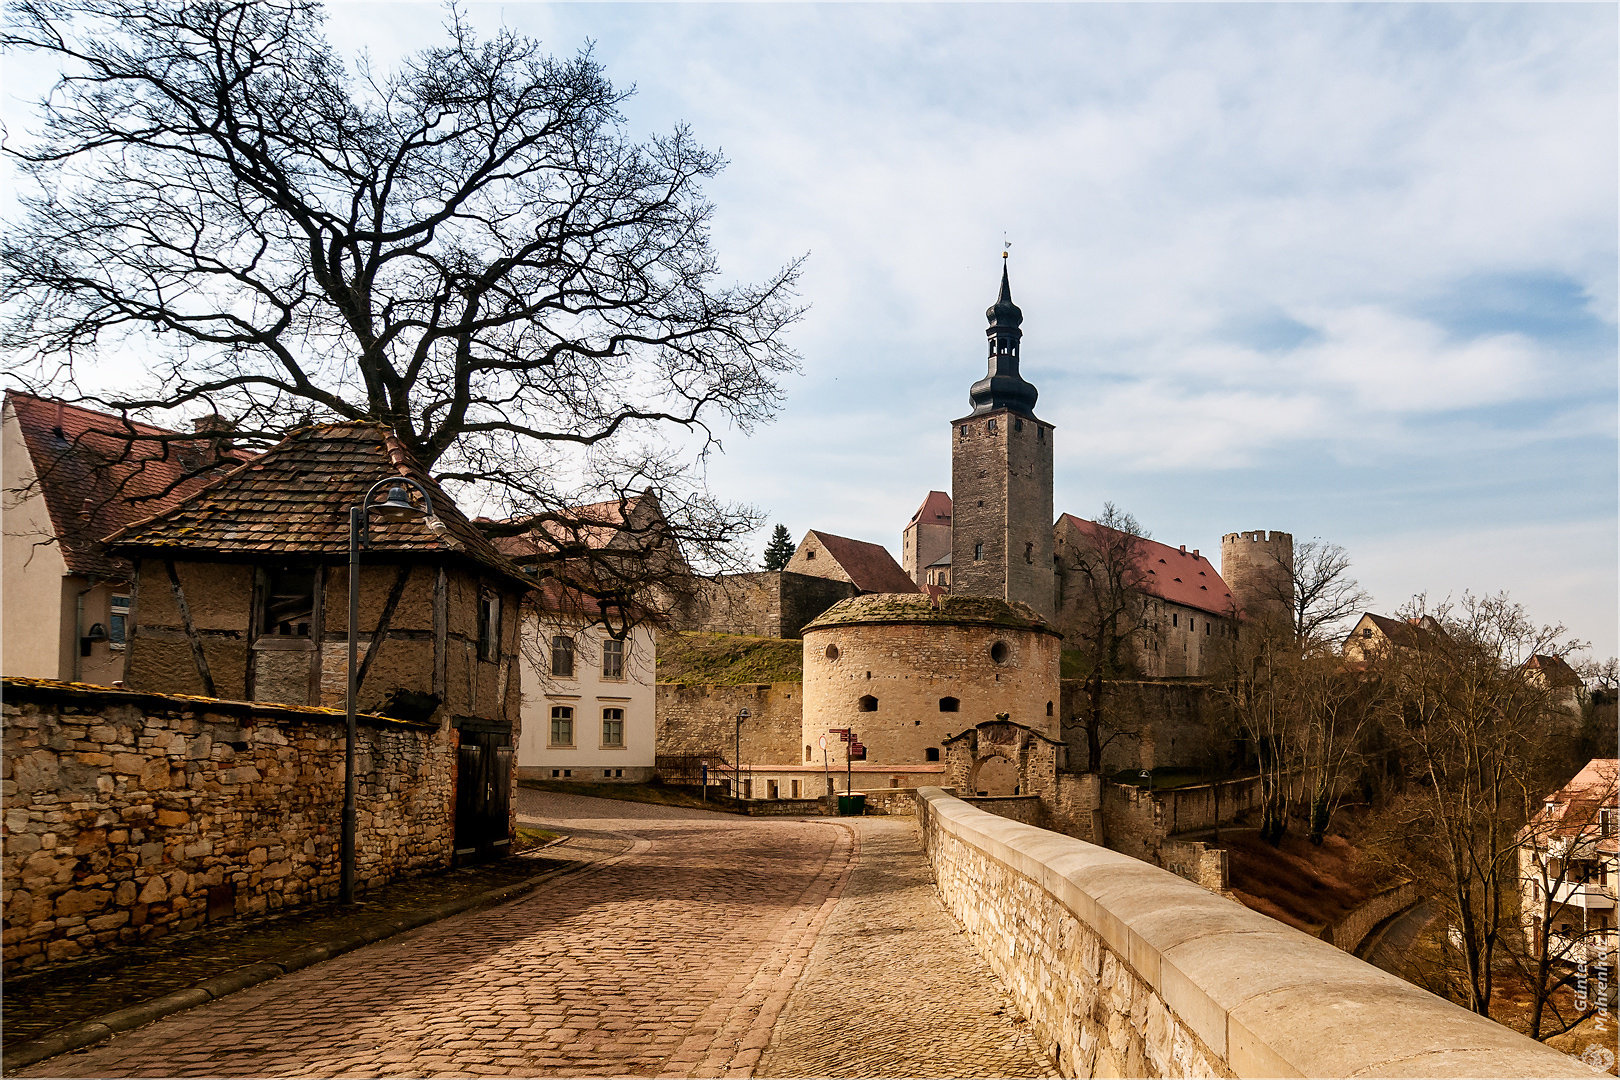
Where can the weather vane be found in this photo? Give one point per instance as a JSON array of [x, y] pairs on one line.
[[1006, 244]]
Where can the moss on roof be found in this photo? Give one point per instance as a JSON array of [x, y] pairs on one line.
[[693, 657], [921, 608]]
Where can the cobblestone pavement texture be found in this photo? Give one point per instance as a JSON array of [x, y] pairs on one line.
[[35, 1003], [694, 938], [673, 958], [894, 987]]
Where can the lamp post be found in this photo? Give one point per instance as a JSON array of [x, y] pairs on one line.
[[396, 507], [741, 716]]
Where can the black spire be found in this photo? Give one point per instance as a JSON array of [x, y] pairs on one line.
[[1003, 387]]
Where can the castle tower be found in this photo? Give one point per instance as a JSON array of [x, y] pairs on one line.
[[1258, 570], [1001, 478]]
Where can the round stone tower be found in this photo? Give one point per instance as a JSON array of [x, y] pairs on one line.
[[906, 672], [1258, 570]]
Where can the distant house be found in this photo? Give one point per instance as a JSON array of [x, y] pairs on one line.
[[927, 540], [1569, 867], [1188, 613], [868, 567], [1553, 674], [588, 698], [71, 476], [1374, 636]]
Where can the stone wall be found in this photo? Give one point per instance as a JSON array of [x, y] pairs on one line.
[[773, 604], [131, 815], [1025, 808], [1198, 862], [1350, 931], [1137, 821], [703, 719], [1124, 969], [1174, 715]]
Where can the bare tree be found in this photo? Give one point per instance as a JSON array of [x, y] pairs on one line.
[[1110, 618], [1470, 728], [1317, 589], [470, 249]]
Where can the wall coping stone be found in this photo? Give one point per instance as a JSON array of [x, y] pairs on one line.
[[52, 691], [1269, 999]]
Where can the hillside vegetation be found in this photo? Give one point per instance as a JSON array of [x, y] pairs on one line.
[[728, 659]]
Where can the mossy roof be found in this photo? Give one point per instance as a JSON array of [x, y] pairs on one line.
[[922, 608]]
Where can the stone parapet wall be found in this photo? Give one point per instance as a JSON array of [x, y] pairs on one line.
[[1351, 930], [1124, 969], [1025, 808], [129, 815]]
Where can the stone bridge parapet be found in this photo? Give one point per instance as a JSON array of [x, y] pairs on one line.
[[1124, 969]]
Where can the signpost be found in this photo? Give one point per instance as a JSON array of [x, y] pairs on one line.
[[849, 758]]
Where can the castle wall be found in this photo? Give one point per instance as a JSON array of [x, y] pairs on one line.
[[909, 668], [697, 720], [1001, 491], [922, 544], [1175, 719], [773, 604]]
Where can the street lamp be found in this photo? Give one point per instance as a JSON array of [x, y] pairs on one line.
[[396, 507], [741, 716]]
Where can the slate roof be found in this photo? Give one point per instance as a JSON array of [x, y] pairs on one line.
[[1174, 575], [870, 566], [935, 510], [98, 472], [294, 499]]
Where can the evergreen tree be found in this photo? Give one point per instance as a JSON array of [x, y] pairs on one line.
[[779, 550]]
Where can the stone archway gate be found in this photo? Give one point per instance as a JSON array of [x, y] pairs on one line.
[[1069, 803]]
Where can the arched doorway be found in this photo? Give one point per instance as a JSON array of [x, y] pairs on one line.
[[995, 776]]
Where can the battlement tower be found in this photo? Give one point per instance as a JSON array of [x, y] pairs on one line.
[[1258, 569]]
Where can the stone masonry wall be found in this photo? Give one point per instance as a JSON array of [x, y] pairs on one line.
[[766, 604], [703, 719], [1124, 969], [1349, 932], [130, 815], [1173, 714]]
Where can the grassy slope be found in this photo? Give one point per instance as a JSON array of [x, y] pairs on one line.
[[1298, 883], [728, 659]]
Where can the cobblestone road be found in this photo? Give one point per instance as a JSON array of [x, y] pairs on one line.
[[677, 958], [893, 986]]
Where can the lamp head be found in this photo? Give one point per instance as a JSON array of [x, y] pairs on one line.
[[397, 507]]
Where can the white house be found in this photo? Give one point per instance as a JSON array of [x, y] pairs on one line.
[[588, 696]]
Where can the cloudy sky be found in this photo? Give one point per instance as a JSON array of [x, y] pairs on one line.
[[1344, 271]]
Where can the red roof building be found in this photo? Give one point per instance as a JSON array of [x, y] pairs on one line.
[[869, 567]]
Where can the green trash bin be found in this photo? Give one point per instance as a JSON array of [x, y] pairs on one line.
[[851, 805]]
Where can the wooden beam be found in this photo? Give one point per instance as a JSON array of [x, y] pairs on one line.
[[197, 653]]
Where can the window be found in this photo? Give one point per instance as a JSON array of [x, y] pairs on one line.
[[931, 754], [489, 626], [978, 552], [1366, 631], [1048, 708], [807, 753], [999, 651], [990, 426], [612, 727], [867, 704], [289, 603], [810, 554], [1018, 423], [1175, 620], [1040, 434], [1029, 552], [118, 622], [832, 652], [1206, 628], [562, 725], [1607, 820], [771, 789], [612, 659], [562, 656], [1190, 626], [949, 704], [964, 431], [795, 788]]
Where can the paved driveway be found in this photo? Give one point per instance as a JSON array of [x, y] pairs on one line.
[[675, 958]]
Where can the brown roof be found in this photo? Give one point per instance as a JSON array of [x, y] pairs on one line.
[[98, 472], [1555, 669], [1405, 633], [1178, 576], [870, 566], [621, 523], [935, 510], [295, 499], [1573, 809]]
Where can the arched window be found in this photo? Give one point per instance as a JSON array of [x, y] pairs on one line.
[[1048, 708], [867, 704], [949, 704]]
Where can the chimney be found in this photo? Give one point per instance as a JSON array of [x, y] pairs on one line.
[[1184, 549], [1195, 553], [212, 439]]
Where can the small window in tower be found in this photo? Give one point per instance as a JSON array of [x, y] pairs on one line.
[[964, 431], [949, 704], [931, 754], [1175, 620], [867, 704], [999, 651], [978, 552], [1040, 434], [1018, 423], [1029, 551], [990, 426], [1048, 708], [812, 554]]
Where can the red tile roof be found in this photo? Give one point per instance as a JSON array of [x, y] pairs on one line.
[[1176, 576], [295, 499], [98, 472], [1554, 669], [935, 510], [870, 566], [635, 522], [1573, 809], [1405, 633]]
